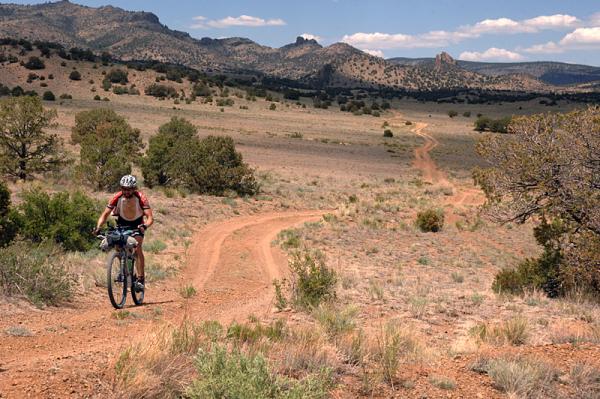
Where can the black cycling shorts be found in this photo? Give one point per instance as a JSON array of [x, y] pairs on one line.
[[131, 224]]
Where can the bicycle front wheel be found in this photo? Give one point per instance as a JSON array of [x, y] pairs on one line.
[[116, 280], [137, 295]]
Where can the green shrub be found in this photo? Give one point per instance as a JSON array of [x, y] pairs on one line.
[[238, 375], [452, 113], [65, 96], [313, 282], [117, 76], [388, 133], [63, 218], [483, 123], [35, 271], [541, 273], [177, 157], [8, 226], [430, 220], [75, 75], [161, 91], [120, 90], [273, 107], [48, 96], [172, 137], [97, 98], [34, 63]]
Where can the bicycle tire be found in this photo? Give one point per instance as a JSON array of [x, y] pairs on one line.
[[137, 296], [116, 279]]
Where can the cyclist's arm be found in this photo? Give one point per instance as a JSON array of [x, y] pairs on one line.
[[103, 218], [149, 219]]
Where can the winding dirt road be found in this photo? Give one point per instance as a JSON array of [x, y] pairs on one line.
[[461, 196], [70, 352]]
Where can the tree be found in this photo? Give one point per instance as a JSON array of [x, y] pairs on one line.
[[87, 122], [117, 76], [75, 75], [212, 165], [548, 169], [157, 165], [109, 146], [35, 63], [25, 148], [8, 227], [48, 96]]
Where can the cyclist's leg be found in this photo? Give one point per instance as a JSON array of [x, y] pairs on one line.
[[139, 264]]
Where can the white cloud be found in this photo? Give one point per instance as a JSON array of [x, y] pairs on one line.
[[582, 37], [579, 39], [242, 20], [491, 54], [547, 48], [441, 38], [556, 21], [308, 36], [375, 53]]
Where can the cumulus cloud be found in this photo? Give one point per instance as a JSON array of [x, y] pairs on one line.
[[375, 53], [491, 54], [579, 39], [242, 20], [308, 36], [441, 38]]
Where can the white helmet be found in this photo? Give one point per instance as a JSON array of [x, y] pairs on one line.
[[128, 181]]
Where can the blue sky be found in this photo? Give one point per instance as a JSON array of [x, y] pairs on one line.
[[484, 30]]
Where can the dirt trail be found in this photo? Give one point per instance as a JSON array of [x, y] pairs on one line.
[[231, 264], [461, 196]]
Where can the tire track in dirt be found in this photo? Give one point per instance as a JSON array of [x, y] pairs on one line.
[[231, 263]]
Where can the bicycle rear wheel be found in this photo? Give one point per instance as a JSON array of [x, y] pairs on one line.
[[138, 296], [116, 280]]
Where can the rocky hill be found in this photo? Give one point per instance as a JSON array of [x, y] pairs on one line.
[[553, 73], [140, 35]]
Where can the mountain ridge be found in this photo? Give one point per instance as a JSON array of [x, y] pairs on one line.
[[139, 35]]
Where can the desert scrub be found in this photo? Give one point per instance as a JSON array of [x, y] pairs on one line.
[[394, 345], [312, 282], [37, 272], [155, 246], [519, 376], [187, 291], [254, 331], [430, 220], [289, 238], [335, 320], [514, 331], [238, 375]]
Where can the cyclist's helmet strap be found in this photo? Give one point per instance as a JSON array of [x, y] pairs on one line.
[[128, 181]]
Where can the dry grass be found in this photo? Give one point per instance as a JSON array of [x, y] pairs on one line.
[[395, 345], [161, 366], [519, 376], [514, 331], [584, 378], [575, 333]]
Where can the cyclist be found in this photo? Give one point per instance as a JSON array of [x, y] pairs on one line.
[[130, 207]]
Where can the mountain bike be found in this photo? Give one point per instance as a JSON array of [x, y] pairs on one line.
[[120, 265]]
